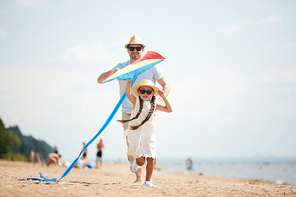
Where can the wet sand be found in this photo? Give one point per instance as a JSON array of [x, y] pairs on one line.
[[114, 179]]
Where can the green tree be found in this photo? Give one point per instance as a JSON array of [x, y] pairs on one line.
[[4, 146], [13, 140], [29, 143]]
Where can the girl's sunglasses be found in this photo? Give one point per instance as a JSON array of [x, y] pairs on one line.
[[147, 91], [133, 48]]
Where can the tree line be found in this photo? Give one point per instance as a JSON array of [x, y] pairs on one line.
[[16, 146]]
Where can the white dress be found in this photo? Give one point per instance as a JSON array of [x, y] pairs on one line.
[[142, 141]]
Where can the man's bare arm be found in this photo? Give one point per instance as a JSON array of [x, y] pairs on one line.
[[166, 88], [106, 75]]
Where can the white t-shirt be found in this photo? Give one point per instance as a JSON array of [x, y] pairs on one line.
[[154, 73]]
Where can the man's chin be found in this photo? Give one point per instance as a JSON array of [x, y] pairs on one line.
[[136, 56]]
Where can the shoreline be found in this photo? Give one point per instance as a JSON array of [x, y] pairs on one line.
[[275, 172], [114, 179]]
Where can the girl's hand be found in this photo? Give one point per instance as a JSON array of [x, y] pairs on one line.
[[167, 107], [130, 81], [160, 93]]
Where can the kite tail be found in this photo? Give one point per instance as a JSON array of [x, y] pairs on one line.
[[42, 178]]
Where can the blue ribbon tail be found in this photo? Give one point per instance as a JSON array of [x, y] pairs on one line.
[[91, 141]]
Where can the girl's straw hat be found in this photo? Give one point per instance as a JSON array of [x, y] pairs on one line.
[[135, 40], [145, 82]]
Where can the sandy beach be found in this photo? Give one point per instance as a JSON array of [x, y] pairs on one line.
[[114, 179]]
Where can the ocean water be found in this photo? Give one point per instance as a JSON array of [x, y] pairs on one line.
[[278, 172]]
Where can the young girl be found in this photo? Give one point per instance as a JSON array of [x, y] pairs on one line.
[[141, 131]]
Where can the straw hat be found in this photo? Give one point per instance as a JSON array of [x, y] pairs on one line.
[[145, 82], [135, 40]]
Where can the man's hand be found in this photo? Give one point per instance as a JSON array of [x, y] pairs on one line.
[[106, 75]]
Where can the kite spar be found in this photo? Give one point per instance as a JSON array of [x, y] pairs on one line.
[[129, 72]]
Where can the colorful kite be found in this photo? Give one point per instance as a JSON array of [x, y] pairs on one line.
[[130, 72], [138, 67]]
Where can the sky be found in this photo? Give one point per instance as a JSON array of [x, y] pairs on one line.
[[231, 66]]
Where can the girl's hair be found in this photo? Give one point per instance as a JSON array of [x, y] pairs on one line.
[[139, 112]]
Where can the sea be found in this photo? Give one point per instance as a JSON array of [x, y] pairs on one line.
[[280, 171], [272, 169]]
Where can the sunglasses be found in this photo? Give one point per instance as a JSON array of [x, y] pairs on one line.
[[133, 48], [147, 91]]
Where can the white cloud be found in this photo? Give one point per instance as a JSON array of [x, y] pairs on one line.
[[215, 94], [3, 33], [277, 46], [87, 54], [18, 5], [248, 24], [288, 45], [269, 46], [27, 4], [4, 10]]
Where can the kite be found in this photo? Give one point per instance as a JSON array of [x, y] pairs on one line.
[[131, 71], [138, 67]]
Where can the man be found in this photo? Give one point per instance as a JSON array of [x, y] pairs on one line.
[[53, 158], [135, 49], [189, 164], [32, 156], [100, 146], [84, 155]]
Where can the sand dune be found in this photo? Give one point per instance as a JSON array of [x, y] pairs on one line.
[[115, 179]]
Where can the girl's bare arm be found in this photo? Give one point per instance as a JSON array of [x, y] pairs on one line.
[[167, 108], [128, 93]]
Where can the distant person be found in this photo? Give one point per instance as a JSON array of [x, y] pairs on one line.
[[189, 164], [84, 155], [38, 158], [100, 146], [32, 157], [53, 158], [141, 128]]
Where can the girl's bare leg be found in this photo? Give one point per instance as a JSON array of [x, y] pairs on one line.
[[139, 174], [149, 168], [140, 162]]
